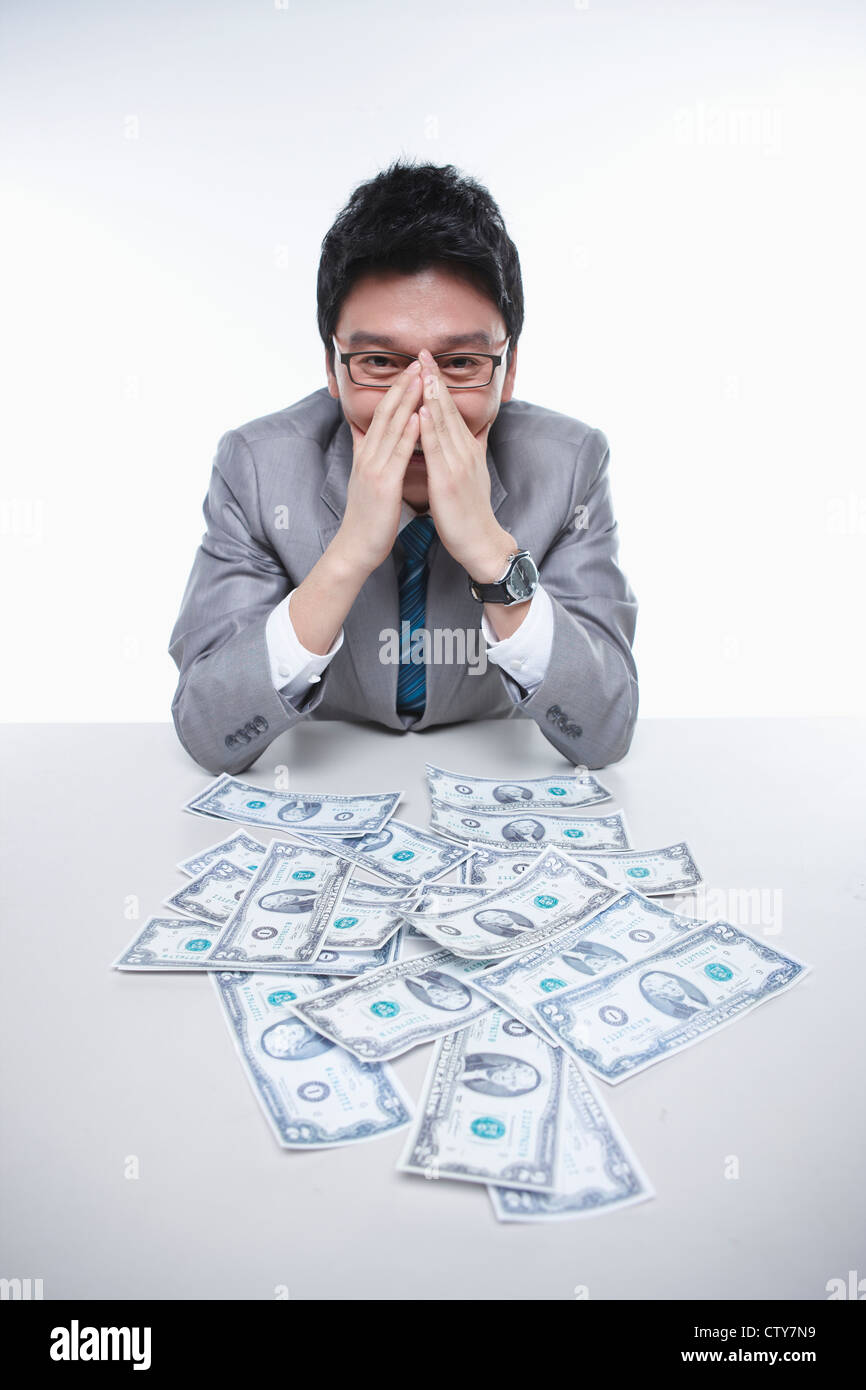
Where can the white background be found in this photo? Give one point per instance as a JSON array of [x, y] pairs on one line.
[[684, 183]]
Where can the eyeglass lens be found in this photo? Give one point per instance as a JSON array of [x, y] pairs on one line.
[[457, 368]]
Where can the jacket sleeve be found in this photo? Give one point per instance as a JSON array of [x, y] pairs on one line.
[[226, 710], [587, 703]]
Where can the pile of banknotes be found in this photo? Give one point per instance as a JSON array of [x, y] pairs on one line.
[[526, 940]]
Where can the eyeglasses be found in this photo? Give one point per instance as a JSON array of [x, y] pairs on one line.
[[461, 371]]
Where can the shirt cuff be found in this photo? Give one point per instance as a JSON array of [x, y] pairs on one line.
[[293, 668], [525, 655]]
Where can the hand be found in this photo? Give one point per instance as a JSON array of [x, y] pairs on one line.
[[375, 492], [458, 483]]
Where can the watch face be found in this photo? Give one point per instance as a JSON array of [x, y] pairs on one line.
[[523, 578]]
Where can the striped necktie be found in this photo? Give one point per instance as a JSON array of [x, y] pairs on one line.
[[412, 679]]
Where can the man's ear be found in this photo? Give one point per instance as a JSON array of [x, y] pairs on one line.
[[508, 388], [333, 388]]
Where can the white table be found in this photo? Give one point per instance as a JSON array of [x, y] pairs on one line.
[[99, 1067]]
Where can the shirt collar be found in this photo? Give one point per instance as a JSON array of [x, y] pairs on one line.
[[408, 514]]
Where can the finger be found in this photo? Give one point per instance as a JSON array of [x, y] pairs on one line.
[[409, 439], [437, 440], [410, 433], [450, 426], [392, 412], [385, 409], [394, 467], [430, 441]]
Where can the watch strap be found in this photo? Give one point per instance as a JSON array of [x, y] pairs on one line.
[[497, 592]]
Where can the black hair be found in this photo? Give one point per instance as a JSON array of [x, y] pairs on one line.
[[413, 216]]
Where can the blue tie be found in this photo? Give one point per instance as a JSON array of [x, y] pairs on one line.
[[412, 679]]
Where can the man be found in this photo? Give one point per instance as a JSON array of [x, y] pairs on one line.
[[371, 506], [501, 923], [670, 994], [440, 991], [497, 1074], [590, 957]]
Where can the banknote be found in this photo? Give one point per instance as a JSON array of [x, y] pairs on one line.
[[433, 897], [628, 929], [597, 1170], [672, 999], [494, 868], [376, 893], [555, 794], [240, 849], [313, 1093], [651, 871], [347, 964], [390, 1011], [215, 894], [178, 943], [439, 897], [323, 812], [521, 832], [520, 915], [169, 943], [400, 853], [285, 913], [490, 1109], [366, 919]]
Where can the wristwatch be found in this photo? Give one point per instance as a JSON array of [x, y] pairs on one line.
[[518, 583]]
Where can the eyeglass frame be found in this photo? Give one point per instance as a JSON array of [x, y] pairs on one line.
[[346, 357]]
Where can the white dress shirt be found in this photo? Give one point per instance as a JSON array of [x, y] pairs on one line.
[[524, 656]]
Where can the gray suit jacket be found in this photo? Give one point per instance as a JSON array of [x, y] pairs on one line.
[[276, 498]]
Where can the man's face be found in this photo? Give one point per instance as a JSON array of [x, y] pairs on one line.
[[407, 313], [524, 825], [446, 996], [665, 986], [514, 1076], [286, 1038], [493, 918], [509, 791]]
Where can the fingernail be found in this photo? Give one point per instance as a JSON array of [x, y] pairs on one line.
[[414, 366]]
